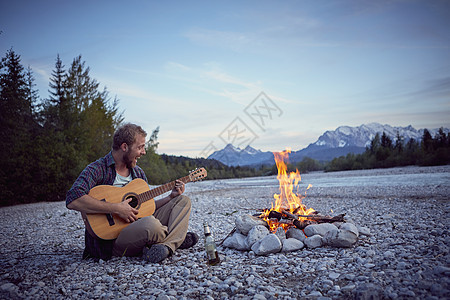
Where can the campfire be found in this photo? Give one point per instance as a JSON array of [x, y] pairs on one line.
[[288, 210], [289, 225]]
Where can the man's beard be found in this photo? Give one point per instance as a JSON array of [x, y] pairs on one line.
[[128, 162]]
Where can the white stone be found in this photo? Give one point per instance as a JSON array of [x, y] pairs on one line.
[[318, 229], [237, 241], [292, 244], [364, 231], [314, 241], [269, 244], [340, 238], [296, 234], [280, 233], [245, 223], [334, 275], [350, 227], [9, 287], [256, 233]]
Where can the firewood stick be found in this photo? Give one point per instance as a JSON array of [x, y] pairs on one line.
[[231, 232], [338, 218], [311, 216], [301, 206], [286, 221], [314, 217], [290, 215]]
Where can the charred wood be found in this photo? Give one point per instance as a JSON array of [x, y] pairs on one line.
[[273, 214], [302, 224]]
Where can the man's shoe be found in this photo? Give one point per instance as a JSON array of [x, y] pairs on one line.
[[190, 240], [156, 253]]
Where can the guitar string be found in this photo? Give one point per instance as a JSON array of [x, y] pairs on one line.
[[150, 194]]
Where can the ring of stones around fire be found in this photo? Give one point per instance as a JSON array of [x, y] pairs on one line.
[[252, 233]]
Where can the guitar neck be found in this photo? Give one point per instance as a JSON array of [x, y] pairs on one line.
[[150, 194]]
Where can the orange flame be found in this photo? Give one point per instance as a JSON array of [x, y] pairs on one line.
[[288, 199]]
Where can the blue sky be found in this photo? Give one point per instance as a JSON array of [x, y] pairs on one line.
[[274, 74]]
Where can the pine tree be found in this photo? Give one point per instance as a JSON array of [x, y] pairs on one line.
[[386, 141], [399, 143], [18, 127], [14, 105], [95, 116], [427, 141], [57, 110], [375, 144]]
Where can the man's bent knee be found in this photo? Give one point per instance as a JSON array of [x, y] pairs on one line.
[[155, 231], [183, 200]]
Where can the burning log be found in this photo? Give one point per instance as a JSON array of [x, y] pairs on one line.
[[324, 219], [292, 216], [302, 207], [286, 221], [273, 214], [317, 218], [302, 224]]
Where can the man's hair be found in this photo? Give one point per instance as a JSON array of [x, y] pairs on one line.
[[127, 134]]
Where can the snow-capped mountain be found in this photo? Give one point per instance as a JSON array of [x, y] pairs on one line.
[[331, 144], [346, 139], [345, 136], [233, 156]]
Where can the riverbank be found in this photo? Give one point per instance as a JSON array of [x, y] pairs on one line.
[[407, 255]]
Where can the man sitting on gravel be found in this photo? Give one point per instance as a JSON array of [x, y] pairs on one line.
[[154, 237]]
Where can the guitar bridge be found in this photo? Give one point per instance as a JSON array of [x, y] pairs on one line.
[[110, 219]]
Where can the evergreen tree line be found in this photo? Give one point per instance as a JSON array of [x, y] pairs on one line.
[[383, 152], [47, 142]]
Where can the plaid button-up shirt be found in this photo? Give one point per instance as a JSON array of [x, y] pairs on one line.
[[102, 171]]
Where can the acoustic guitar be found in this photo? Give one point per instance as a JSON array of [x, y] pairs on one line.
[[108, 226]]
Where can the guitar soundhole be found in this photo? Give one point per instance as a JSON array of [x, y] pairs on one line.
[[134, 200]]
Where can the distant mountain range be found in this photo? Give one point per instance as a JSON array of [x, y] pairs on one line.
[[331, 144]]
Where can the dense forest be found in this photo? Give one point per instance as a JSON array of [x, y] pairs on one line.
[[385, 153], [47, 142]]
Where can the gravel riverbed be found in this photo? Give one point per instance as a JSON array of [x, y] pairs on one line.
[[406, 210]]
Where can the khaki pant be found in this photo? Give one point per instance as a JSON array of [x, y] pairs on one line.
[[167, 226]]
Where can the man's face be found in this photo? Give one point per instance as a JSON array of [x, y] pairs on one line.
[[134, 152]]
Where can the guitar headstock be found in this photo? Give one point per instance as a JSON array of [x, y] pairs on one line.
[[197, 174]]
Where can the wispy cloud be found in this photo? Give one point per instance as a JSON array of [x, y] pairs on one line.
[[235, 41], [211, 79], [433, 88]]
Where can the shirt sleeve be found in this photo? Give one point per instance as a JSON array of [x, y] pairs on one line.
[[88, 179]]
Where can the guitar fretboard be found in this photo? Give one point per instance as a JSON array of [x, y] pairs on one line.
[[160, 190]]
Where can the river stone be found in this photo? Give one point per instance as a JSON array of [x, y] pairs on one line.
[[314, 241], [245, 223], [256, 233], [364, 231], [319, 229], [281, 234], [368, 291], [292, 244], [296, 234], [237, 241], [340, 238], [350, 227], [269, 244]]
